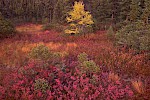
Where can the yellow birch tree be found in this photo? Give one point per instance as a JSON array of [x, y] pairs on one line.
[[78, 19]]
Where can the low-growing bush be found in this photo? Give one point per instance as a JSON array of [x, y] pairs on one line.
[[145, 42], [57, 58], [53, 84], [121, 24], [12, 55], [40, 52], [124, 63], [110, 33], [87, 66], [6, 28], [135, 35], [82, 57], [138, 86], [41, 85], [90, 67]]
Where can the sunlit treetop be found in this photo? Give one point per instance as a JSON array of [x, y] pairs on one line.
[[79, 16]]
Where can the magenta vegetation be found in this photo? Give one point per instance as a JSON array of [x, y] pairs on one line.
[[31, 82]]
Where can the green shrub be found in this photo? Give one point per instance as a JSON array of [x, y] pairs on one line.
[[82, 57], [135, 35], [90, 66], [119, 25], [145, 42], [41, 84], [86, 65], [40, 52], [57, 56], [110, 33], [6, 28], [30, 72]]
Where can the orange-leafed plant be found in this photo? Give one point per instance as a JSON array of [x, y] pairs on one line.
[[138, 86], [114, 77]]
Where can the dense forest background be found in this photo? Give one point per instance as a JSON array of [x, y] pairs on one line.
[[103, 11]]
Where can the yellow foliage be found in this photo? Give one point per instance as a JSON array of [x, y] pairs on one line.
[[78, 17], [73, 25], [70, 31]]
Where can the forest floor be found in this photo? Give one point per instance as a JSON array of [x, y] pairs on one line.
[[13, 51], [30, 35], [126, 65]]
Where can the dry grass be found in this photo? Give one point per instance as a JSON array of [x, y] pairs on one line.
[[32, 28]]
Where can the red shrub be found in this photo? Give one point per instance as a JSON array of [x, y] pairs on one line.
[[63, 84]]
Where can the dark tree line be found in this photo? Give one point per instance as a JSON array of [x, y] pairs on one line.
[[103, 11]]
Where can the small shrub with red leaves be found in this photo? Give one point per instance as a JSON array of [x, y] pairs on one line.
[[31, 82]]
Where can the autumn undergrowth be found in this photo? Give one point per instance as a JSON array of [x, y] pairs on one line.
[[46, 66], [74, 80]]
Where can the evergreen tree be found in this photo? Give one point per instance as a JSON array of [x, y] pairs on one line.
[[146, 11], [60, 10], [124, 9], [135, 10], [6, 27], [115, 10], [101, 10]]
